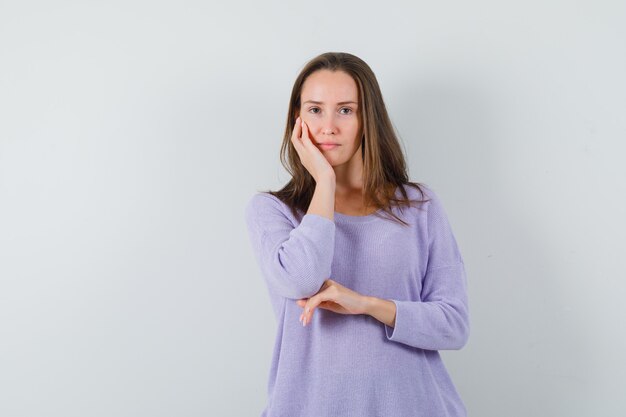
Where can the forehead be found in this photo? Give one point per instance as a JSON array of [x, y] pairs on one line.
[[329, 87]]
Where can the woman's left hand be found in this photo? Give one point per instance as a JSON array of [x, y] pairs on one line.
[[334, 297]]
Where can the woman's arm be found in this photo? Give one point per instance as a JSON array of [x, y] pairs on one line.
[[439, 322], [439, 319], [381, 309], [323, 200], [295, 261]]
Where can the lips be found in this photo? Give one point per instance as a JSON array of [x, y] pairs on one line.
[[328, 146]]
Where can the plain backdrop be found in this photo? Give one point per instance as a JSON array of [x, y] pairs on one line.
[[132, 133]]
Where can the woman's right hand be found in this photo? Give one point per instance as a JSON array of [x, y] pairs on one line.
[[310, 156]]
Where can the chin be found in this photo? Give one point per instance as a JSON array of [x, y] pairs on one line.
[[335, 163]]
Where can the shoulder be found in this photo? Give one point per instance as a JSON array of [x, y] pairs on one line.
[[424, 193], [261, 198], [262, 201], [431, 210], [263, 206]]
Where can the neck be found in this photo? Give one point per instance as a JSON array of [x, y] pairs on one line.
[[349, 176]]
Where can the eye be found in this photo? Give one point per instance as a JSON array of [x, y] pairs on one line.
[[312, 109], [347, 108]]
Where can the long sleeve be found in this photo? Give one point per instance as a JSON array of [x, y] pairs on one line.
[[294, 261], [441, 319]]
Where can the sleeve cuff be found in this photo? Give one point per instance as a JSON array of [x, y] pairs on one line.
[[391, 331]]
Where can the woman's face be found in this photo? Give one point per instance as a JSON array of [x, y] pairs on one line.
[[329, 107]]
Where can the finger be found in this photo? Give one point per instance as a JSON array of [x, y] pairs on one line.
[[295, 135], [332, 306], [304, 301], [305, 316], [312, 304], [306, 140], [301, 303]]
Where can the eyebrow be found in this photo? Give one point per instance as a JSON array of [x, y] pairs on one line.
[[341, 102]]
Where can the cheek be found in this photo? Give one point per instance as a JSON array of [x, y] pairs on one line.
[[311, 124], [354, 132], [307, 120]]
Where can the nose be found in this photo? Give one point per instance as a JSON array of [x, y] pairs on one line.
[[329, 126]]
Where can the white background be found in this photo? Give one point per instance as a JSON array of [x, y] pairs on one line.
[[133, 132]]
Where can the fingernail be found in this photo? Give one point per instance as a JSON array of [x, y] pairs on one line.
[[308, 309]]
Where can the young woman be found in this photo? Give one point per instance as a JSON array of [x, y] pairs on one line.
[[363, 271]]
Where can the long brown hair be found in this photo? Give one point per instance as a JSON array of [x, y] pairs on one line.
[[384, 166]]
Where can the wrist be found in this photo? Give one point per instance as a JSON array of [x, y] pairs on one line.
[[369, 304], [327, 178], [381, 309]]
